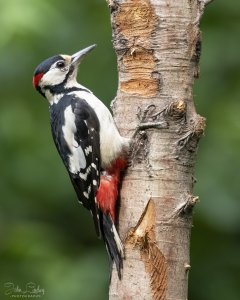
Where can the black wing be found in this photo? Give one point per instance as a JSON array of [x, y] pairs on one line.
[[84, 169]]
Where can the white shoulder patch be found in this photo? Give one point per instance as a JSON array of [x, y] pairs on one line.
[[77, 158]]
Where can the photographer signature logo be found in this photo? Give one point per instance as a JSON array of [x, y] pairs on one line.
[[30, 290]]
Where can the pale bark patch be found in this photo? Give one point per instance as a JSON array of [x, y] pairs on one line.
[[143, 238], [139, 62], [137, 14], [140, 87]]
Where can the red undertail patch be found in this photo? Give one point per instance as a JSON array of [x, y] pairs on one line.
[[108, 189]]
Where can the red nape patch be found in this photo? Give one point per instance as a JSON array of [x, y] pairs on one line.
[[36, 79]]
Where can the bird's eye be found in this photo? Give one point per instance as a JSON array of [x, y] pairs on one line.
[[60, 64]]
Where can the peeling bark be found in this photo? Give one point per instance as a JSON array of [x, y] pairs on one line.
[[158, 45], [143, 238]]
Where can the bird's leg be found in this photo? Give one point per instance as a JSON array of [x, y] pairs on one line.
[[149, 120]]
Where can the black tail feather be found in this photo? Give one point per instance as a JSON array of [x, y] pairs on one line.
[[113, 242]]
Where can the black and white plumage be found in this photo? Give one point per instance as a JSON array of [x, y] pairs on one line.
[[75, 130], [88, 142]]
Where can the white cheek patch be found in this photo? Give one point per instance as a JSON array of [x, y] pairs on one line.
[[53, 77]]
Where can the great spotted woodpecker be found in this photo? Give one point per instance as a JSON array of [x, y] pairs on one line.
[[86, 137]]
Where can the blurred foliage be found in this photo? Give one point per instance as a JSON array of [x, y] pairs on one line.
[[45, 236]]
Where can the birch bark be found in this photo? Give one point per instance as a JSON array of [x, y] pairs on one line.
[[158, 45]]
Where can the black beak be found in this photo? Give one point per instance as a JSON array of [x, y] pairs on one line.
[[77, 57]]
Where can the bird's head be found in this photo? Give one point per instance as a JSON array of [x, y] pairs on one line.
[[58, 73]]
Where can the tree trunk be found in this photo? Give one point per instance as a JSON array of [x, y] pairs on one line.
[[158, 46]]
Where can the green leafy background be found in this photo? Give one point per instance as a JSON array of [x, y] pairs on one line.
[[45, 235]]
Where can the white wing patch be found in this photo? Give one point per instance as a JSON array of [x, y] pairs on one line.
[[77, 158], [85, 175], [88, 150], [94, 166], [86, 194]]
